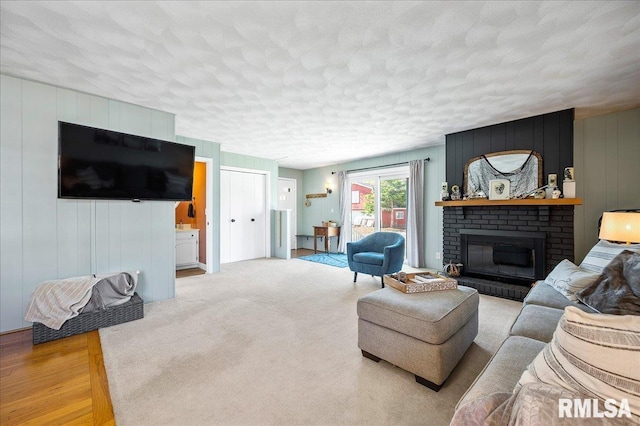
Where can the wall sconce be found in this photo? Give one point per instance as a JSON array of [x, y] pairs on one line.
[[328, 186], [621, 227]]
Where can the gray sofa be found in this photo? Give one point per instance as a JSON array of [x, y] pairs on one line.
[[532, 330]]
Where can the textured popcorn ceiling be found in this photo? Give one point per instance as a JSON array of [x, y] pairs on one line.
[[317, 83]]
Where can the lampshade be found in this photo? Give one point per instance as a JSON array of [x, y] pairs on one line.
[[622, 227]]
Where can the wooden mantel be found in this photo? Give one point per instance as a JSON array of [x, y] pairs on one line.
[[518, 202]]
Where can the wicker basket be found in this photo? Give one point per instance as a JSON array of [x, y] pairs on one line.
[[89, 321]]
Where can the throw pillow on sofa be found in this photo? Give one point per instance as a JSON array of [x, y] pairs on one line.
[[593, 354], [603, 252], [568, 279], [617, 289]]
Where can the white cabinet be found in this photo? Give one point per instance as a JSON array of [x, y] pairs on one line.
[[187, 248]]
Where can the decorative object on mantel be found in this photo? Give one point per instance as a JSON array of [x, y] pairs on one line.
[[499, 189], [556, 193], [522, 168], [540, 194], [455, 193], [444, 193], [552, 184], [512, 202], [569, 174], [480, 194], [569, 183]]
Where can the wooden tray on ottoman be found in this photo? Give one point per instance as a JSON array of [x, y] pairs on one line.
[[89, 321], [421, 282]]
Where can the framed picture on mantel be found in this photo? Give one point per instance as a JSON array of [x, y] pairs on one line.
[[499, 189]]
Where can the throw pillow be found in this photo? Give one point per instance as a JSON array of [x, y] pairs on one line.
[[593, 354], [617, 290], [602, 253], [568, 279]]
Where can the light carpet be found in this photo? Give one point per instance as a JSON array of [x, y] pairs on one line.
[[274, 341]]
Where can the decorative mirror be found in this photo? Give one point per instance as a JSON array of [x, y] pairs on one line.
[[522, 168]]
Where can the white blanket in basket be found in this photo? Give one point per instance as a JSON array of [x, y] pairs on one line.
[[53, 302]]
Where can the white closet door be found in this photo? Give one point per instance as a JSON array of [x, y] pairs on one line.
[[243, 216], [257, 217]]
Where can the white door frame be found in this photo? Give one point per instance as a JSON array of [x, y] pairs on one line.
[[267, 201], [294, 222], [208, 211]]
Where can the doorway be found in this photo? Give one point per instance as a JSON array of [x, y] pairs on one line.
[[196, 215]]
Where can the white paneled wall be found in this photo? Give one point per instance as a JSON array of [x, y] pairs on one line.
[[43, 237]]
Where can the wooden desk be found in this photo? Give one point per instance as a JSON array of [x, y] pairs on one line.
[[327, 232]]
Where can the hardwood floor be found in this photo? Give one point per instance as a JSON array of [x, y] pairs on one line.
[[300, 252], [58, 382], [181, 273]]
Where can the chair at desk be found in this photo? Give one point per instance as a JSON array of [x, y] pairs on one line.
[[376, 254]]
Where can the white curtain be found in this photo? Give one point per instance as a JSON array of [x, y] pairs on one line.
[[415, 225], [345, 210]]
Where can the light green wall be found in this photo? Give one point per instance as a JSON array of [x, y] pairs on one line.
[[607, 165], [43, 237], [323, 209], [298, 175], [208, 149]]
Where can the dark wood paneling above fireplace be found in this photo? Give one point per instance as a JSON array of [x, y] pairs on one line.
[[550, 134]]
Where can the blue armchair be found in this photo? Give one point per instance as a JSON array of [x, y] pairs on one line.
[[376, 254]]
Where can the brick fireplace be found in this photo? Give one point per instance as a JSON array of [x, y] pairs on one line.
[[514, 245]]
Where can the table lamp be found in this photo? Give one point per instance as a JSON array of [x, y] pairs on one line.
[[621, 227]]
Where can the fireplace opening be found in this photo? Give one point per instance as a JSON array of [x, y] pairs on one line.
[[506, 256]]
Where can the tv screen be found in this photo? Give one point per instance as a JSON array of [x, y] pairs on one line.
[[103, 164]]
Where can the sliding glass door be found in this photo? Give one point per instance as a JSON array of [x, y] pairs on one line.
[[379, 202]]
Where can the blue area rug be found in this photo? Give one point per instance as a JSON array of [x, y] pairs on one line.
[[339, 260]]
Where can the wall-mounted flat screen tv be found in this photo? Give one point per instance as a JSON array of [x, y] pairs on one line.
[[103, 164]]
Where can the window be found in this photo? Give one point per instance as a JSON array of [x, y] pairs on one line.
[[381, 201]]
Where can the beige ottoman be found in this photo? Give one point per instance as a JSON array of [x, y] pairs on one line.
[[423, 333]]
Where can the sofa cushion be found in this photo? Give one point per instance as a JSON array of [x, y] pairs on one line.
[[502, 372], [537, 322], [603, 252], [568, 279], [432, 316], [544, 295], [595, 354], [369, 258]]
